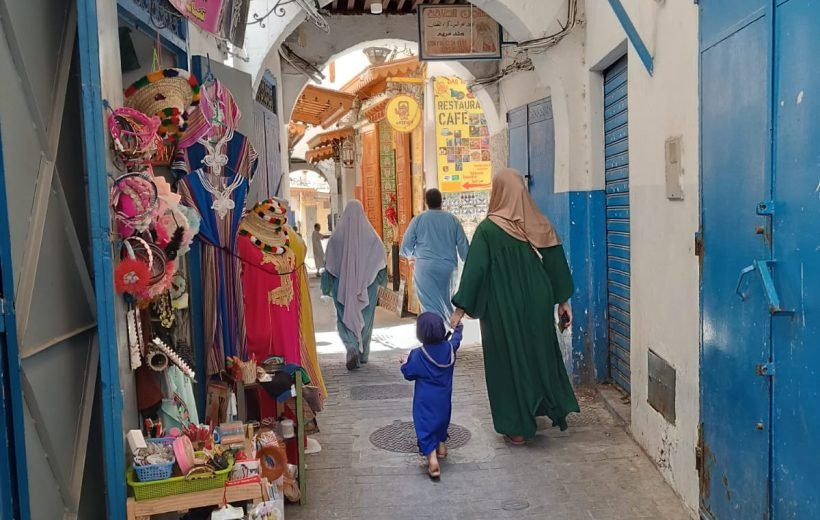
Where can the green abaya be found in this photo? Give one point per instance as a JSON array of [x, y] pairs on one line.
[[513, 292]]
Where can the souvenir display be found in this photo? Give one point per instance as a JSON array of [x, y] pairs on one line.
[[157, 223]]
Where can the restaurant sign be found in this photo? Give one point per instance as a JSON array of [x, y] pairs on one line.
[[457, 32], [403, 113]]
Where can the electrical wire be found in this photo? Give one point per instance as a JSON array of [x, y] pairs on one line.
[[521, 61]]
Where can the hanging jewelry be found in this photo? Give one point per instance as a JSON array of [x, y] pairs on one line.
[[174, 358], [163, 310], [134, 345]]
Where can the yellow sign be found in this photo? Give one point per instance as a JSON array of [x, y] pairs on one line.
[[462, 138], [403, 113]]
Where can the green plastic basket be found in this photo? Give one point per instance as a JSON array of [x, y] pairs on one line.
[[177, 485]]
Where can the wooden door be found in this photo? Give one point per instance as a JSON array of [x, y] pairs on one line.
[[371, 179]]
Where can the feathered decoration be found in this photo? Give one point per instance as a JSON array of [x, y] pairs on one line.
[[131, 276], [172, 249]]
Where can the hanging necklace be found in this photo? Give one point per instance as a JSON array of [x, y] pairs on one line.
[[267, 238]]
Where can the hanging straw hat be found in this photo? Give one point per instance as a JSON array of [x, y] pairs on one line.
[[169, 94]]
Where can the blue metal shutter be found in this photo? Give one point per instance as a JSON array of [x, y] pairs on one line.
[[616, 170]]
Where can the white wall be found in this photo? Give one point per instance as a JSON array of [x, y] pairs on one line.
[[665, 305]]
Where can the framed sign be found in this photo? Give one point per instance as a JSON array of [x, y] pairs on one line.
[[457, 32]]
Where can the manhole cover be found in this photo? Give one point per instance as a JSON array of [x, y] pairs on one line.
[[378, 392], [400, 437], [589, 416], [515, 505]]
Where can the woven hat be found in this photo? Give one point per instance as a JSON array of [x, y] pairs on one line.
[[170, 94]]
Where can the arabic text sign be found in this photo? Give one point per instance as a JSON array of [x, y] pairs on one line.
[[462, 138], [457, 32]]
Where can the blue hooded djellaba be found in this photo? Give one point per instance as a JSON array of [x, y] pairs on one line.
[[432, 366]]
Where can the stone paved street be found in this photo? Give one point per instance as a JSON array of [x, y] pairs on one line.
[[594, 471]]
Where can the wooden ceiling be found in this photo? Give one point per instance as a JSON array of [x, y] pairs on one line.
[[388, 6], [321, 106]]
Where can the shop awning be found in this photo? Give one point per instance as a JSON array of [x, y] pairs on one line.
[[321, 106], [328, 137], [376, 113], [373, 79], [319, 154]]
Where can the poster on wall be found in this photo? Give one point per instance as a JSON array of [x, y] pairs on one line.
[[457, 32], [462, 138]]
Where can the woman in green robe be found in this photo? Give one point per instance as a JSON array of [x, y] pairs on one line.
[[515, 274]]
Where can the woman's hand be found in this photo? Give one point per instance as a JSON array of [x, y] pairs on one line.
[[564, 316], [455, 320]]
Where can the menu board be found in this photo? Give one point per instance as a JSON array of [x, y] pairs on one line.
[[462, 138]]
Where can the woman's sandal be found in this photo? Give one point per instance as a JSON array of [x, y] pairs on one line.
[[434, 472], [515, 442], [442, 454]]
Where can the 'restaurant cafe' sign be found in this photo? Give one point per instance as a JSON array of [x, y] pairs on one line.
[[460, 32]]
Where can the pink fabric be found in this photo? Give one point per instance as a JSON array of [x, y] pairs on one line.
[[204, 14], [272, 330]]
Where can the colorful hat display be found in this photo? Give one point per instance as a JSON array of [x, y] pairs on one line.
[[170, 94]]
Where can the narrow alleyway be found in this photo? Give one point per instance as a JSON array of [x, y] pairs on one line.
[[594, 471]]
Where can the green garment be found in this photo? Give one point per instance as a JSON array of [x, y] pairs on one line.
[[514, 294], [359, 353]]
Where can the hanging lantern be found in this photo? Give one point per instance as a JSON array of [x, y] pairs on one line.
[[348, 153]]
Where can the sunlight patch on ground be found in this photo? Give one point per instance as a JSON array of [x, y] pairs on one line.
[[395, 338]]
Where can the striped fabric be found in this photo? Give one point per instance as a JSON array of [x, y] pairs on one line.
[[223, 309]]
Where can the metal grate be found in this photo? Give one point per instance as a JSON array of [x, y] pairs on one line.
[[400, 437], [379, 392]]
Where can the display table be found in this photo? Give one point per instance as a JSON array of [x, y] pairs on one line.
[[145, 509], [242, 408]]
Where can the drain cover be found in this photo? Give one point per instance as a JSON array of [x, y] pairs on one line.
[[378, 392], [589, 416], [515, 505], [400, 437]]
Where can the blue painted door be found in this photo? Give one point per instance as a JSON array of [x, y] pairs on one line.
[[796, 251], [541, 179], [517, 157], [760, 125], [616, 173]]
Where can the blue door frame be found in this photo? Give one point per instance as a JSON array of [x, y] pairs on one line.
[[14, 493], [94, 145]]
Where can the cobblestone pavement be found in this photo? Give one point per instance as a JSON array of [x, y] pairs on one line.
[[594, 471]]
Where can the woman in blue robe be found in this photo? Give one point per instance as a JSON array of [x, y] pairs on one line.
[[432, 366]]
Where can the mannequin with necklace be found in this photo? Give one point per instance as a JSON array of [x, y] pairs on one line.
[[270, 283]]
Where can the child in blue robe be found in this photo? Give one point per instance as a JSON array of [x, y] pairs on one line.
[[431, 366]]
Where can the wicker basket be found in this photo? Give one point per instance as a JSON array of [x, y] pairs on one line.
[[177, 485], [248, 369]]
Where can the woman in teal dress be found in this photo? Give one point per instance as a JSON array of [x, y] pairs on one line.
[[514, 276], [355, 268]]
